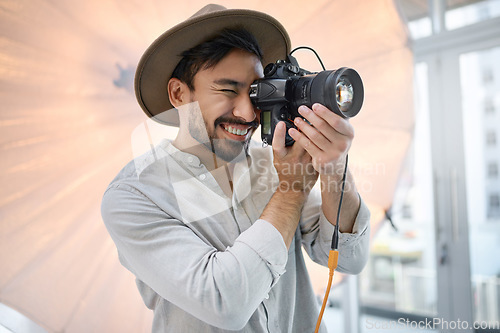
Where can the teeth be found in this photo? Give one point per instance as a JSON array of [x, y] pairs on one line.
[[236, 131]]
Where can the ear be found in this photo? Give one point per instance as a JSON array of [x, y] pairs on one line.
[[177, 92]]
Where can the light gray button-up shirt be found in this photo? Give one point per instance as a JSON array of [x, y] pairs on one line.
[[205, 262]]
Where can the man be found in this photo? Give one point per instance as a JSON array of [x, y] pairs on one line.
[[210, 224]]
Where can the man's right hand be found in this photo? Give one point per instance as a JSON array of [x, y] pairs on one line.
[[293, 164], [297, 176]]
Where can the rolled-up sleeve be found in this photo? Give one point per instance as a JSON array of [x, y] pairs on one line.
[[317, 234], [179, 266], [268, 243]]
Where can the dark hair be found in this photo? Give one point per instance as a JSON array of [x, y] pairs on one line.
[[208, 54]]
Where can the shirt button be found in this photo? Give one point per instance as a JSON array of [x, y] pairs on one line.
[[267, 296], [190, 159], [203, 177]]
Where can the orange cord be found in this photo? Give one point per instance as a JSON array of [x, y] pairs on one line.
[[333, 259]]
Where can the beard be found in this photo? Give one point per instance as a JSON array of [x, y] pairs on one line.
[[225, 149]]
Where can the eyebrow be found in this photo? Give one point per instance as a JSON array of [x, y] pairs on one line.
[[229, 82]]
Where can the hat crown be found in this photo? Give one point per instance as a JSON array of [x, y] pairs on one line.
[[210, 8]]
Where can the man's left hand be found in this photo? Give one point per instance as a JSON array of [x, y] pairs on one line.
[[327, 138]]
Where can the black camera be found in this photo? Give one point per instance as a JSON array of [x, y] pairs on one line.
[[286, 86]]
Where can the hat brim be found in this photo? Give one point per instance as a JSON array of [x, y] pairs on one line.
[[160, 59]]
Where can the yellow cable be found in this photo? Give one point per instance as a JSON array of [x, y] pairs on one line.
[[333, 259]]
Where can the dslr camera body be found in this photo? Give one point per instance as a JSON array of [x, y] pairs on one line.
[[286, 86]]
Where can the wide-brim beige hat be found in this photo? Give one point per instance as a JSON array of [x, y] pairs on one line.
[[160, 59]]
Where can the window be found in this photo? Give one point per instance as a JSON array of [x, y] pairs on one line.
[[494, 205], [400, 276], [493, 170], [481, 159], [491, 138], [487, 75], [457, 14], [460, 13], [489, 106], [416, 14], [406, 211]]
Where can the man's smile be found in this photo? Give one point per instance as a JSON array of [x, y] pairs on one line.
[[236, 129]]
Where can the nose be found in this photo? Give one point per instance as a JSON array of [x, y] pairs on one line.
[[244, 109]]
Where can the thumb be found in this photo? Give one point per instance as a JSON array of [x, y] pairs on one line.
[[279, 140]]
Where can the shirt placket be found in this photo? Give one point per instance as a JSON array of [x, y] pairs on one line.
[[241, 190], [273, 324]]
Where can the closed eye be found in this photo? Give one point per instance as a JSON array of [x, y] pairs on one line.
[[229, 91]]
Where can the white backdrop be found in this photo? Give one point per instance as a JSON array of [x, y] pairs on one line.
[[67, 117]]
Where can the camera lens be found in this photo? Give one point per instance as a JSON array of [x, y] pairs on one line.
[[344, 94], [339, 90]]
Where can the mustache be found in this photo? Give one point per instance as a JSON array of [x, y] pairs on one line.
[[237, 121]]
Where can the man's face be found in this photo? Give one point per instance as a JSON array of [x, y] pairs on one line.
[[228, 118]]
